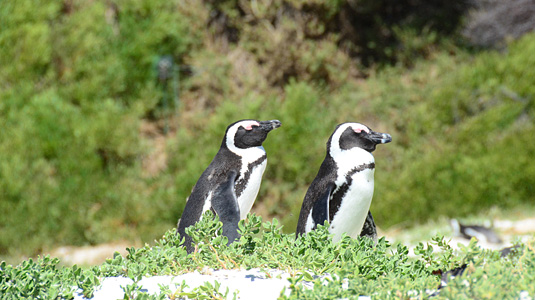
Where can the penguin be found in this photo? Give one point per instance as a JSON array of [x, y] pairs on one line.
[[446, 276], [481, 233], [342, 191], [230, 184]]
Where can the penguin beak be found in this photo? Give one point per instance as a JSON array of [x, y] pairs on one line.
[[379, 138], [270, 125]]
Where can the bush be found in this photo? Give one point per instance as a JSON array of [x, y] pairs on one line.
[[477, 120], [76, 79]]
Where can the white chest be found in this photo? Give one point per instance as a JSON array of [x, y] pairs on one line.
[[354, 208], [248, 196]]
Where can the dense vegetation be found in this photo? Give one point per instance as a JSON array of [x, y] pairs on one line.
[[86, 157], [355, 267]]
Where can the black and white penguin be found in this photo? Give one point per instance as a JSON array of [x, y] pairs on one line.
[[231, 182], [342, 191], [481, 233]]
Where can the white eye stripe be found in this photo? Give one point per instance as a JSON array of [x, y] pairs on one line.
[[248, 125], [258, 151], [348, 159], [251, 123], [359, 128], [335, 144]]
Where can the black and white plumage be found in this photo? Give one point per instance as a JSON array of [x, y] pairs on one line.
[[481, 233], [230, 184], [446, 276], [342, 191]]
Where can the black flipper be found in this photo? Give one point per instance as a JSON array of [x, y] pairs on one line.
[[368, 229], [225, 204], [320, 210]]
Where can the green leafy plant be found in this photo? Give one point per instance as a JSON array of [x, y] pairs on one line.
[[348, 268]]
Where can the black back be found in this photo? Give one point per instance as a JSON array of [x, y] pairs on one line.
[[326, 176], [228, 211], [215, 175]]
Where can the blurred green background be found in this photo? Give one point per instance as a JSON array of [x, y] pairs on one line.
[[97, 145]]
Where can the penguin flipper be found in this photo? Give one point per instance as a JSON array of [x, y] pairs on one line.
[[225, 204], [368, 229], [320, 210]]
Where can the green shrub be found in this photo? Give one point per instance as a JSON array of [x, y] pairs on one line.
[[76, 78], [466, 138]]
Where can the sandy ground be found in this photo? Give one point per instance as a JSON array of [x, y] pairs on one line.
[[246, 284]]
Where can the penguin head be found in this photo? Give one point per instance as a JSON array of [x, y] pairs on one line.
[[350, 135], [248, 133]]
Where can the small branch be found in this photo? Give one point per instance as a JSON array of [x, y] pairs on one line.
[[217, 257]]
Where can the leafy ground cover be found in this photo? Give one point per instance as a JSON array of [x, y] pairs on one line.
[[353, 267]]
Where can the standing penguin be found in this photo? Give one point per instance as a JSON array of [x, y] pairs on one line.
[[342, 191], [231, 182]]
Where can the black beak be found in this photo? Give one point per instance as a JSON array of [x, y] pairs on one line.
[[380, 138], [270, 125]]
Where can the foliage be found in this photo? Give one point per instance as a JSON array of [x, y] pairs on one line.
[[477, 120], [349, 268], [288, 29], [44, 278], [76, 78], [78, 89]]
